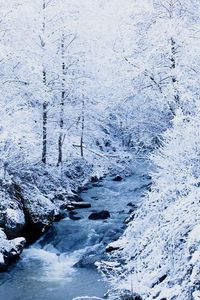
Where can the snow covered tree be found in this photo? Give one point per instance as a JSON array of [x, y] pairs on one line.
[[159, 58], [160, 247]]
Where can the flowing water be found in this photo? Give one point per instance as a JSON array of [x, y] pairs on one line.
[[60, 266]]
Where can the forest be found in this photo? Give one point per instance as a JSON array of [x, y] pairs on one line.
[[100, 149]]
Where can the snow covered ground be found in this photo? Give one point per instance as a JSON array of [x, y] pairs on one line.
[[87, 87], [159, 252]]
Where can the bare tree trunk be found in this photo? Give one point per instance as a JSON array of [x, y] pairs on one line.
[[176, 103], [44, 131], [62, 103], [45, 103], [82, 126], [173, 67], [61, 136]]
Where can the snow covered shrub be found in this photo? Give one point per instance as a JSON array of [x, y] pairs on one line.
[[134, 125], [159, 253]]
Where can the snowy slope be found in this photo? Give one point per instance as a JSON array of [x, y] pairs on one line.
[[159, 256]]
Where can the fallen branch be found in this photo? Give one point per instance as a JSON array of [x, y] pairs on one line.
[[97, 153], [107, 156]]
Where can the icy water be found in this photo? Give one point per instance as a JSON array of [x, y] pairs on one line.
[[60, 266]]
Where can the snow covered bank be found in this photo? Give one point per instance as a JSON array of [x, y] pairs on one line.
[[159, 253], [31, 199], [34, 196]]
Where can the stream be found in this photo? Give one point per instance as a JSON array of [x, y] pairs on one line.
[[60, 266]]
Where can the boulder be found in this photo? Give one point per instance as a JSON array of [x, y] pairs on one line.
[[110, 248], [84, 189], [13, 222], [94, 179], [70, 207], [12, 218], [73, 205], [101, 215], [132, 205], [59, 217], [10, 250], [39, 212], [118, 178], [81, 204], [127, 295]]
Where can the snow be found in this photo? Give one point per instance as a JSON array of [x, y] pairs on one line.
[[14, 216], [1, 258], [9, 248], [161, 246], [196, 295], [135, 66]]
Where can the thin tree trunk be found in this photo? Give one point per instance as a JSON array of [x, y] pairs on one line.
[[173, 67], [62, 103], [45, 103], [175, 104], [44, 131], [61, 136], [82, 126]]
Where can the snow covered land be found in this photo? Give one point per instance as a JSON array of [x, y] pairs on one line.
[[96, 88]]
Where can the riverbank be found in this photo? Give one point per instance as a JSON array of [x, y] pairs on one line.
[[32, 198], [35, 196], [61, 264]]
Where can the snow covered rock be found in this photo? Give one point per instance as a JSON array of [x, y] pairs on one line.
[[10, 250], [39, 211], [12, 218], [111, 247], [14, 222], [127, 295]]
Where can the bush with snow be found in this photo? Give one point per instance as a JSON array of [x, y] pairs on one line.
[[158, 255]]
